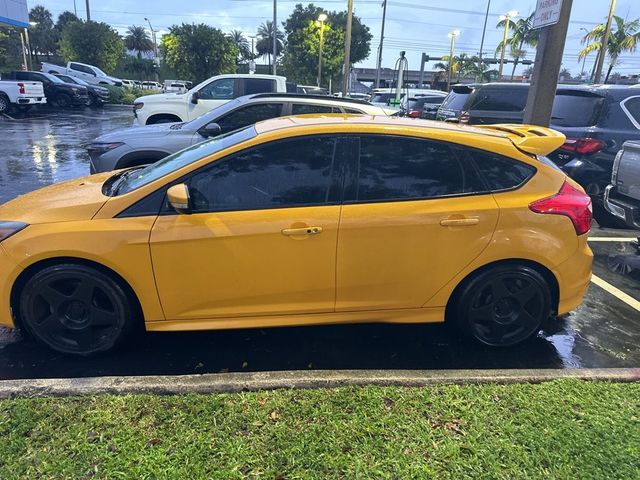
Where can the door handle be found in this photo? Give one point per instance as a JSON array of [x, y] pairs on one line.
[[302, 231], [459, 222]]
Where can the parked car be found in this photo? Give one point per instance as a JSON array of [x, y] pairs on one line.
[[59, 94], [386, 96], [149, 85], [88, 73], [127, 83], [622, 195], [425, 106], [130, 147], [20, 95], [216, 91], [311, 90], [98, 96], [481, 104], [176, 86], [304, 220]]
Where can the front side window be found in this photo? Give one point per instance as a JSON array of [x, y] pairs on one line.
[[289, 173], [222, 89], [249, 115], [396, 168]]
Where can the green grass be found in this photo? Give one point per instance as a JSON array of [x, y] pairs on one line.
[[563, 429]]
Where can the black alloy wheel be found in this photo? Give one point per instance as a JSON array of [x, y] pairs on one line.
[[503, 306], [62, 100], [4, 104], [91, 100], [76, 309]]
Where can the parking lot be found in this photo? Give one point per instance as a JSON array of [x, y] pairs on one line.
[[604, 332]]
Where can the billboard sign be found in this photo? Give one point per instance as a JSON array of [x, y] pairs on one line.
[[14, 13]]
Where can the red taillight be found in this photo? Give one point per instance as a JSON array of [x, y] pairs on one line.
[[570, 202], [583, 146], [21, 88], [464, 117], [413, 114]]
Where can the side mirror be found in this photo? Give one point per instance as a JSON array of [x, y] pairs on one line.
[[210, 130], [194, 97], [178, 197]]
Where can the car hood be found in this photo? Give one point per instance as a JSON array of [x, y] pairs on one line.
[[146, 132], [78, 199], [163, 97]]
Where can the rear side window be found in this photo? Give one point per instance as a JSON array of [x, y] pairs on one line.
[[501, 173], [397, 168], [258, 85], [305, 108], [455, 101], [576, 110], [632, 109], [353, 111], [500, 99]]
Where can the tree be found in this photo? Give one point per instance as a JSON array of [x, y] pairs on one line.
[[197, 52], [137, 40], [264, 45], [91, 42], [139, 68], [241, 42], [623, 38], [64, 19], [42, 36], [300, 60], [523, 35]]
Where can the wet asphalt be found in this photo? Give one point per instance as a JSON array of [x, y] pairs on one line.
[[47, 147]]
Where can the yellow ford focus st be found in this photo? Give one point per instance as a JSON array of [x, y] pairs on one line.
[[304, 220]]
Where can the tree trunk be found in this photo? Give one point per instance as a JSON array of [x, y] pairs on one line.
[[606, 79], [517, 59]]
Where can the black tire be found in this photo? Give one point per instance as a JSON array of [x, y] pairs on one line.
[[62, 100], [91, 100], [502, 306], [77, 309], [5, 105]]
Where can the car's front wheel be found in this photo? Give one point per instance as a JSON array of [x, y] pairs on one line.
[[503, 306], [62, 100], [76, 309]]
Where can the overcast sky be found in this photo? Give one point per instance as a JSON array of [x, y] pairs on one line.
[[412, 25]]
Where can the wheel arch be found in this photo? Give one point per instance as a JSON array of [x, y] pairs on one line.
[[153, 119], [28, 272], [547, 274], [129, 159]]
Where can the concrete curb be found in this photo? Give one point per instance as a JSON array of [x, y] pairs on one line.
[[237, 382]]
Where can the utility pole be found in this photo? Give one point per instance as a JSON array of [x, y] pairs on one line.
[[452, 36], [544, 80], [605, 40], [75, 10], [275, 35], [346, 78], [484, 30], [88, 12], [384, 16], [507, 22], [321, 19]]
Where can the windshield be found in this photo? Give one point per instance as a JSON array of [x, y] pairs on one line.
[[100, 72], [575, 110], [53, 78], [382, 97], [167, 165], [455, 101]]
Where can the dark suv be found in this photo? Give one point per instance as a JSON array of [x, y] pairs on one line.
[[485, 103], [59, 94]]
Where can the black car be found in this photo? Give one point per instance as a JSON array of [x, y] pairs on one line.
[[59, 94], [98, 95], [425, 106]]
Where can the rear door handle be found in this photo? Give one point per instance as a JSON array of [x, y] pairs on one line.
[[302, 231], [459, 222]]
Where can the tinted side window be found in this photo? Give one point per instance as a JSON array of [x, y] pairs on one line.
[[395, 168], [289, 173], [501, 173], [258, 85], [576, 110], [353, 111], [249, 115], [303, 108], [222, 89], [632, 105], [501, 100]]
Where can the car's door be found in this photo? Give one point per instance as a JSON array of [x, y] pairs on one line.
[[212, 95], [261, 238], [411, 220], [82, 72]]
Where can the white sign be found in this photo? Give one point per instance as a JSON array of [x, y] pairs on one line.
[[547, 13], [14, 13]]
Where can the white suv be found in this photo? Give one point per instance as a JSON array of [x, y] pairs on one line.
[[181, 107]]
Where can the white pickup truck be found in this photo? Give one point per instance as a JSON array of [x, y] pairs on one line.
[[88, 73], [181, 107], [20, 95]]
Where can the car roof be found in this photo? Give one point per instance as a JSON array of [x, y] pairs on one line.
[[305, 96]]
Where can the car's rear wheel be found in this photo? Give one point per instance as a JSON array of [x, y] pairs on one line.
[[76, 309], [4, 103], [503, 306], [62, 101]]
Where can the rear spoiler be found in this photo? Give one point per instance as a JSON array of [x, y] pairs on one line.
[[529, 138]]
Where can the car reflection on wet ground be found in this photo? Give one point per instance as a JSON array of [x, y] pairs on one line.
[[603, 332]]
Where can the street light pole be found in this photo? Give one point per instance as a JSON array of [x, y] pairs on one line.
[[153, 39], [605, 41], [275, 37], [346, 78], [484, 30], [379, 66], [321, 19], [452, 36], [88, 12], [507, 19]]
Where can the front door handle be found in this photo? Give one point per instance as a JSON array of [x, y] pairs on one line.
[[459, 222], [302, 231]]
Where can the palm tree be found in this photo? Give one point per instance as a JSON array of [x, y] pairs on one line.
[[624, 38], [244, 50], [523, 34], [264, 45], [138, 40]]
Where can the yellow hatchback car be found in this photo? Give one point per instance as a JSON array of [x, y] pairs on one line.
[[299, 221]]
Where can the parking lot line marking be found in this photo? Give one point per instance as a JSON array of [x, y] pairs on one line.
[[612, 239], [616, 292]]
